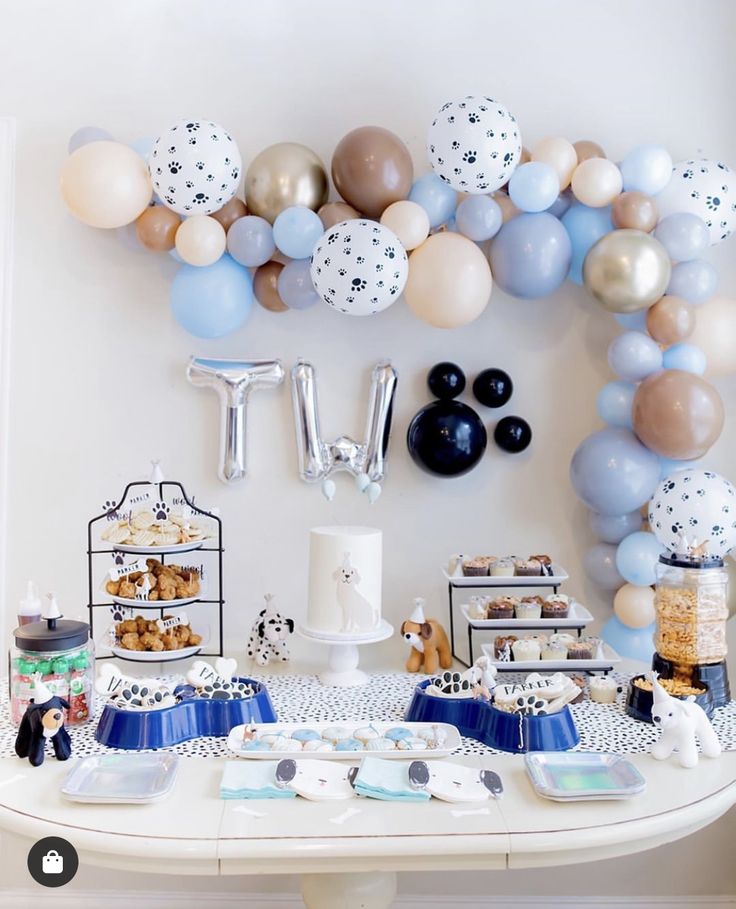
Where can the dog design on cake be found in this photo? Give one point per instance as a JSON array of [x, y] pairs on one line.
[[680, 721], [357, 613]]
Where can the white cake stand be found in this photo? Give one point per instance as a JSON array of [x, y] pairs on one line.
[[342, 657]]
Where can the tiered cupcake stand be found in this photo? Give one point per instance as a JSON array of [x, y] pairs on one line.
[[578, 618], [99, 562]]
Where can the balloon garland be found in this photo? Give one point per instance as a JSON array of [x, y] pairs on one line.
[[632, 233]]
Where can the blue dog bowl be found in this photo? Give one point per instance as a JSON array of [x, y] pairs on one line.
[[496, 728], [189, 719]]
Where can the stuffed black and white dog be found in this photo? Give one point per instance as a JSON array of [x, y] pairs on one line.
[[269, 635], [43, 720]]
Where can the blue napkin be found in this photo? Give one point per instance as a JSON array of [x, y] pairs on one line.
[[379, 778], [252, 780]]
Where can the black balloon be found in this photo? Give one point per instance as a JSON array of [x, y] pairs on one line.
[[493, 387], [446, 438], [512, 434], [446, 381]]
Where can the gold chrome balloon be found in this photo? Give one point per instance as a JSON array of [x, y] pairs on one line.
[[283, 175], [627, 270]]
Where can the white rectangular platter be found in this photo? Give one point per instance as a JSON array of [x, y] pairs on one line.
[[451, 743], [578, 617], [458, 579], [610, 658]]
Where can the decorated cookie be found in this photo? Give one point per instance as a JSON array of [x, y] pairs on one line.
[[335, 734], [398, 733], [366, 734], [380, 744], [305, 735], [350, 744], [317, 745], [411, 744]]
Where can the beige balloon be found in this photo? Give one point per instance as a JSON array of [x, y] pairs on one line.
[[585, 149], [230, 212], [106, 184], [333, 213], [671, 320], [508, 209], [715, 335], [409, 221], [626, 270], [266, 287], [559, 154], [677, 414], [200, 240], [156, 228], [596, 182], [634, 606], [634, 210], [449, 282], [283, 175]]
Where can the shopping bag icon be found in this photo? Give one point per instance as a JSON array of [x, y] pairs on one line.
[[52, 862]]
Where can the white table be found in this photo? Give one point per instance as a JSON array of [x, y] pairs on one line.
[[348, 853]]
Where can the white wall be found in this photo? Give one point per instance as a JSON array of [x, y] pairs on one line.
[[98, 383]]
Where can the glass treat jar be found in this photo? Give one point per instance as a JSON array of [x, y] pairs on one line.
[[691, 604], [62, 652]]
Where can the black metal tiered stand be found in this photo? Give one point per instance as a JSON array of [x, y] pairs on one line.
[[160, 553]]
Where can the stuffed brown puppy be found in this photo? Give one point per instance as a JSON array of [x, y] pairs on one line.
[[430, 648]]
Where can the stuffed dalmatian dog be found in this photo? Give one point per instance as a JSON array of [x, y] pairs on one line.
[[269, 635]]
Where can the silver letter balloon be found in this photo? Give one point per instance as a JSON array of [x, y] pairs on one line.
[[366, 460], [233, 380]]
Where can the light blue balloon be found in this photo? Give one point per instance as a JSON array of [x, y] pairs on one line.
[[250, 241], [612, 472], [437, 198], [561, 204], [694, 281], [451, 225], [296, 231], [479, 218], [86, 134], [213, 300], [637, 557], [646, 169], [534, 186], [614, 403], [633, 321], [585, 226], [685, 236], [600, 566], [685, 356], [530, 255], [630, 643], [295, 285], [634, 356], [612, 528], [669, 465], [144, 147]]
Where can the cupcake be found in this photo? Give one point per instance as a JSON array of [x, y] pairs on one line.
[[366, 734], [580, 650], [501, 608], [477, 608], [528, 568], [529, 608], [556, 606], [502, 647], [526, 649], [603, 690], [318, 745], [350, 744], [562, 639], [503, 568], [380, 744], [305, 735], [335, 734], [476, 568], [554, 652], [544, 561]]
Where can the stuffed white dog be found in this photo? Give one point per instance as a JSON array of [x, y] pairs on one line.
[[269, 635], [680, 722]]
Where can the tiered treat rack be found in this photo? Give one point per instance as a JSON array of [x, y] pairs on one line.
[[576, 622], [160, 553]]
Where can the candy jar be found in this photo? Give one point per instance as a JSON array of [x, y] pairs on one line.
[[62, 651]]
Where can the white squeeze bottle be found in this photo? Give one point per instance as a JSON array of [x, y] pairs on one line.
[[29, 609]]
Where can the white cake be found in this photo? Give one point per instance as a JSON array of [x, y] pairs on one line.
[[344, 580]]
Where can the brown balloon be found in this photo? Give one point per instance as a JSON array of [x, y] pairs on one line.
[[230, 212], [634, 210], [585, 149], [371, 168], [157, 227], [670, 320], [677, 414], [333, 213], [265, 287]]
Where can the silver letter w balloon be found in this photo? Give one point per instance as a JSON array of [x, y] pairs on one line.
[[366, 460]]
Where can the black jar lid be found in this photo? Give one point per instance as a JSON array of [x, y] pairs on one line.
[[52, 634], [683, 561]]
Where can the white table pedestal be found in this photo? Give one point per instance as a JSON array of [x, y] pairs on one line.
[[358, 890], [342, 656]]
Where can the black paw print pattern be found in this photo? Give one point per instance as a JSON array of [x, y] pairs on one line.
[[160, 511], [189, 155], [347, 266], [220, 690], [705, 188], [699, 503], [110, 508]]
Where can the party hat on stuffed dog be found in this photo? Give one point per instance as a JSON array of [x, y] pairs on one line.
[[41, 693], [659, 696], [418, 614]]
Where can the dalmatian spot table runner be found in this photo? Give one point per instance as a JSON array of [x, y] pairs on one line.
[[302, 698]]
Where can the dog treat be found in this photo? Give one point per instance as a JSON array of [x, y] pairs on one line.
[[159, 582], [147, 527], [691, 624], [140, 634], [674, 687]]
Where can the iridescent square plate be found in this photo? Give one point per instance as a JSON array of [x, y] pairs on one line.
[[580, 775]]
